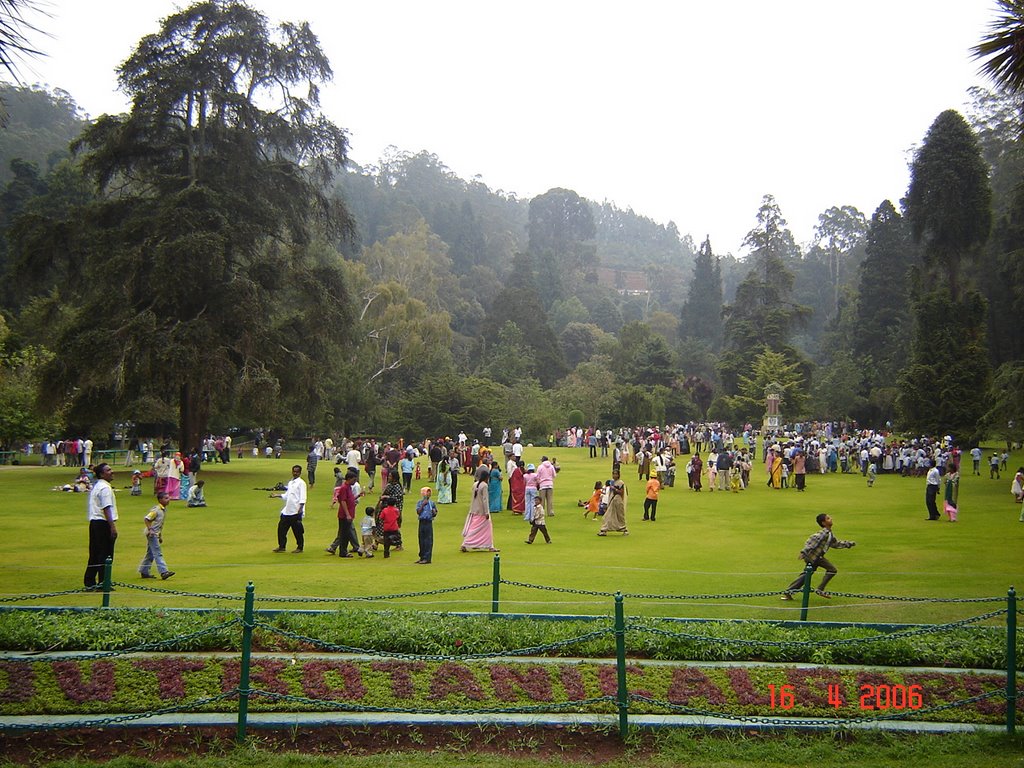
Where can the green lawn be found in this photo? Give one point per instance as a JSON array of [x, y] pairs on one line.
[[707, 543]]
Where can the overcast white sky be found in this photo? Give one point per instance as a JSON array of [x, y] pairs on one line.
[[683, 110]]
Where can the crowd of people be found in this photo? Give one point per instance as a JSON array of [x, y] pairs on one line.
[[710, 455]]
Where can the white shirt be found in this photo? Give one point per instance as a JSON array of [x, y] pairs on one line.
[[352, 458], [294, 497], [100, 497]]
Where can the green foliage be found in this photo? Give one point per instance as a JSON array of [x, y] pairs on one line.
[[702, 313], [519, 302], [1005, 416], [1000, 48], [505, 362], [426, 633], [838, 386], [941, 389], [949, 202], [211, 199], [575, 418], [882, 308], [771, 368], [562, 224], [22, 419], [39, 126], [763, 313]]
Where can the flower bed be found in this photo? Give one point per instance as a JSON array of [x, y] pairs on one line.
[[129, 685]]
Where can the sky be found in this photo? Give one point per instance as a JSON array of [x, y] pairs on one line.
[[682, 110]]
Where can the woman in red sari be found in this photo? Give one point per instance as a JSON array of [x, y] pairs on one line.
[[517, 488]]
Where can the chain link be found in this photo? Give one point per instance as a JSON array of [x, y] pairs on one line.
[[175, 592], [637, 595], [838, 721], [156, 645], [350, 707], [896, 599], [284, 599], [531, 651], [41, 595], [737, 595], [117, 719]]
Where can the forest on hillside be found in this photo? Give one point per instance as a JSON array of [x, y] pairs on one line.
[[220, 266]]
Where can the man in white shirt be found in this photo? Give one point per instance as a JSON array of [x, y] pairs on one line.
[[353, 459], [102, 526], [293, 512], [932, 481]]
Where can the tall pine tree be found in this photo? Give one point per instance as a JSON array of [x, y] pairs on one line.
[[949, 210], [702, 313]]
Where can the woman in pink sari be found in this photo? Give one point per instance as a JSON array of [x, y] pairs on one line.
[[478, 532]]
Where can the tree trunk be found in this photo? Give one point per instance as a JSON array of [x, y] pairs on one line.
[[193, 415]]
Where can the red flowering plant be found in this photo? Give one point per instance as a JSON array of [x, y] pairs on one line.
[[134, 685]]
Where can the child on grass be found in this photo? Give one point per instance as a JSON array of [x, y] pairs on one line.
[[366, 529], [538, 522], [592, 505], [389, 523]]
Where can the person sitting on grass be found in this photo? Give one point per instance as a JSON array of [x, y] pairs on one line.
[[196, 496]]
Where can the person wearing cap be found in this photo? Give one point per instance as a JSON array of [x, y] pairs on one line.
[[814, 551], [426, 511], [136, 483]]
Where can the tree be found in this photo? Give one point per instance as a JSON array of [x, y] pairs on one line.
[[838, 387], [579, 342], [560, 222], [520, 303], [949, 210], [949, 202], [1003, 47], [21, 418], [506, 363], [40, 126], [943, 388], [882, 308], [1005, 416], [763, 314], [838, 232], [14, 29], [702, 313], [201, 282], [770, 367]]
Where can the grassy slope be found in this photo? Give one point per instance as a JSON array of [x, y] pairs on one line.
[[702, 543]]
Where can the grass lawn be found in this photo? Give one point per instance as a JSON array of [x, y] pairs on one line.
[[706, 543]]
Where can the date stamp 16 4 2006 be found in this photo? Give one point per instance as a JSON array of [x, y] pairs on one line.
[[872, 697]]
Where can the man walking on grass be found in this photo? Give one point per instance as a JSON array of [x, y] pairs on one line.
[[814, 553]]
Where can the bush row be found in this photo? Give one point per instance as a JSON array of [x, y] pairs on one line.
[[451, 635]]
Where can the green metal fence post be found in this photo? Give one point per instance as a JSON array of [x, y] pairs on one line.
[[495, 583], [620, 665], [1011, 660], [108, 571], [243, 679], [806, 597]]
